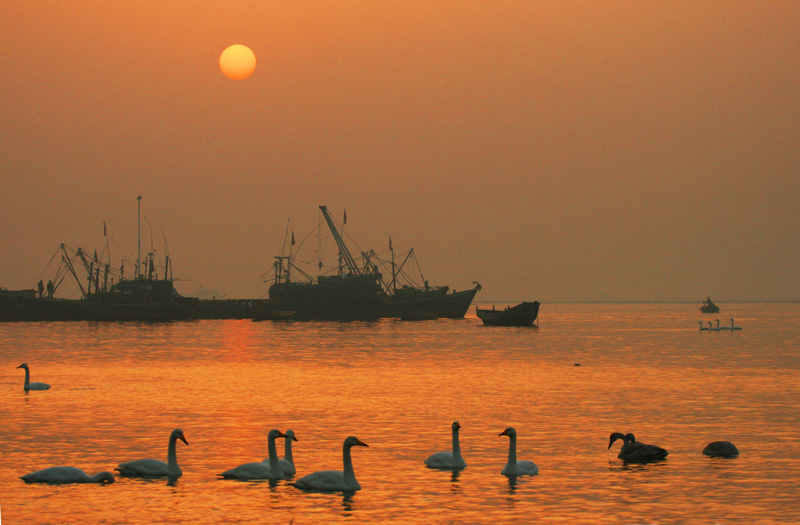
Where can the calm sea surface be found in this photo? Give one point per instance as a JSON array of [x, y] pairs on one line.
[[118, 389]]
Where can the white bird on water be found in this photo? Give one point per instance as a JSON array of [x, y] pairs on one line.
[[32, 386], [287, 462], [334, 480], [735, 327], [154, 468], [269, 469], [448, 459], [701, 326], [514, 467], [66, 475]]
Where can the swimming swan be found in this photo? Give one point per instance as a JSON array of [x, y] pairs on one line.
[[514, 467], [32, 386], [153, 468], [66, 475], [701, 326], [735, 327], [269, 469], [721, 449], [449, 459], [287, 462], [334, 480], [635, 451]]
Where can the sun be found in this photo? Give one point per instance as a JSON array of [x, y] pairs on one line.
[[237, 62]]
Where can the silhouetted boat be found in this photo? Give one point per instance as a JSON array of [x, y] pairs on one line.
[[709, 307], [143, 298], [357, 291], [523, 314]]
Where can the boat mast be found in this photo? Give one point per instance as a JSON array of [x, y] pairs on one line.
[[394, 268], [139, 234], [344, 253]]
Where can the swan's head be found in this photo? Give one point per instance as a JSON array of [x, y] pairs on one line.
[[510, 432], [631, 437], [290, 434], [178, 434], [105, 477], [353, 441], [456, 425], [23, 365], [615, 436], [275, 434]]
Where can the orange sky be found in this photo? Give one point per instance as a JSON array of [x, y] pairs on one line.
[[550, 150]]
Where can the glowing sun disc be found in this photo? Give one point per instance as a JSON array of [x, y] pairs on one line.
[[237, 62]]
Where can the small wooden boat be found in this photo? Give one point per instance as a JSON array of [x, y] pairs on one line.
[[523, 314]]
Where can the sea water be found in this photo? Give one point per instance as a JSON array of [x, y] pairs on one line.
[[118, 390]]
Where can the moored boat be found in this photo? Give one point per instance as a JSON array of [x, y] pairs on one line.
[[523, 314], [357, 290], [145, 297]]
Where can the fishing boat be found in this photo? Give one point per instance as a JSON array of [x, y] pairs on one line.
[[709, 307], [356, 289], [107, 296], [523, 314]]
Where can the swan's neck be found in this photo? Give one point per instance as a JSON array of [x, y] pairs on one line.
[[349, 473], [512, 452], [28, 375], [456, 445], [274, 462], [172, 455], [287, 452]]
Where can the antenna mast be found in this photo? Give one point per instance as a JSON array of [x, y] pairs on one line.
[[139, 234]]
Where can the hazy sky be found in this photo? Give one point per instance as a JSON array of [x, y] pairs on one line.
[[552, 150]]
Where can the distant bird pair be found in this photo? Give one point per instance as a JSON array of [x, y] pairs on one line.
[[143, 468], [452, 459], [323, 480], [634, 451]]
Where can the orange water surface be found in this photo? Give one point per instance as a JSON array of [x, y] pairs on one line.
[[118, 389]]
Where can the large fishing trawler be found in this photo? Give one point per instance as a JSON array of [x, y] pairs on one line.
[[107, 296], [357, 289]]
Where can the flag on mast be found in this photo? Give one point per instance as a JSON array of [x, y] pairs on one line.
[[345, 216], [390, 242], [105, 232], [292, 238]]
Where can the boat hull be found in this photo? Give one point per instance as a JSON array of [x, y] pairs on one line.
[[17, 307], [523, 314], [452, 305]]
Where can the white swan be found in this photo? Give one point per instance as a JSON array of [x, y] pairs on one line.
[[634, 451], [712, 329], [721, 449], [334, 480], [722, 327], [287, 462], [66, 475], [514, 467], [32, 386], [735, 327], [701, 326], [154, 468], [269, 469], [449, 459]]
